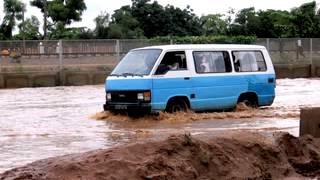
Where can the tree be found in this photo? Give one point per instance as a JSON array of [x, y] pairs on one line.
[[121, 25], [275, 24], [61, 12], [303, 21], [181, 22], [29, 29], [115, 32], [306, 20], [213, 24], [102, 25], [123, 21], [84, 33], [14, 10], [43, 6], [66, 11], [152, 19], [62, 32], [246, 23]]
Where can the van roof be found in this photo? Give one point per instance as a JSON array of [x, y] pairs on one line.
[[205, 46]]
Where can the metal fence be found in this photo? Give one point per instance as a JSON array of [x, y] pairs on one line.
[[79, 53], [293, 50], [51, 47]]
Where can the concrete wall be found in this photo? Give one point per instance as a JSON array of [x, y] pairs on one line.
[[292, 71], [310, 121], [78, 78], [50, 79], [297, 71]]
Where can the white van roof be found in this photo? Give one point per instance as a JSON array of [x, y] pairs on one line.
[[205, 46]]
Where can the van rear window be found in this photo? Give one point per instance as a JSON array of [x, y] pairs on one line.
[[248, 61], [212, 61]]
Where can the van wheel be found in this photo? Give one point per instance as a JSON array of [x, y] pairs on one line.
[[177, 105], [249, 101]]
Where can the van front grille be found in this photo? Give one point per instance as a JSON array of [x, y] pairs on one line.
[[124, 96]]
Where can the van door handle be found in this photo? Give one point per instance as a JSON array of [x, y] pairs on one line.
[[187, 78], [270, 80]]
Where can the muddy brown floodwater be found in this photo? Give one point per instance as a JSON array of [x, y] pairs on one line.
[[37, 123]]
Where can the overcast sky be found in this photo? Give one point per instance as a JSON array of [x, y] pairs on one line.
[[200, 7]]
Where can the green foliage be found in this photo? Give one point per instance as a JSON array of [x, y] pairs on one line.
[[84, 33], [61, 12], [115, 32], [122, 26], [181, 22], [13, 10], [275, 23], [149, 19], [39, 4], [29, 29], [306, 20], [303, 21], [205, 39], [61, 32], [128, 25], [246, 22], [66, 11], [156, 20], [43, 6], [102, 25], [213, 24]]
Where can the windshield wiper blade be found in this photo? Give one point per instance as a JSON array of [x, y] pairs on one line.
[[131, 74], [114, 75]]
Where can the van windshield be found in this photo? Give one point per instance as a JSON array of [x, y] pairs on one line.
[[137, 62]]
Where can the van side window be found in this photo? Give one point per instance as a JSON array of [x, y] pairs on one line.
[[212, 62], [172, 61], [248, 61]]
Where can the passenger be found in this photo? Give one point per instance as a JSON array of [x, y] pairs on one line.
[[174, 66], [204, 64], [176, 62], [237, 65]]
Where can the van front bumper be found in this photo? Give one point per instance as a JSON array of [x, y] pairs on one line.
[[140, 107]]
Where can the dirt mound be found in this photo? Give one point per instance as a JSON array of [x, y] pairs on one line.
[[238, 156], [302, 153]]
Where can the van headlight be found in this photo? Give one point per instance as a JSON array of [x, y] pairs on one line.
[[140, 96], [145, 96], [109, 96]]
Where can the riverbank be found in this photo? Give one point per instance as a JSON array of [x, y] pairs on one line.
[[238, 155]]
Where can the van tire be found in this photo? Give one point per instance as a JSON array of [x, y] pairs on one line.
[[177, 105], [249, 99]]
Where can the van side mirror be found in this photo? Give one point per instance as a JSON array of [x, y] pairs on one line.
[[162, 69]]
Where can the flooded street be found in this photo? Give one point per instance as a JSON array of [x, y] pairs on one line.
[[37, 123]]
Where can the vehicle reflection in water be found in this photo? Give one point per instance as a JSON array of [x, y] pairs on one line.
[[37, 123]]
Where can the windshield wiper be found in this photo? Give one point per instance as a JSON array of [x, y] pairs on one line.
[[131, 74], [114, 75]]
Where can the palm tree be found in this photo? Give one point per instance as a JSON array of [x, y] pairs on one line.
[[14, 10]]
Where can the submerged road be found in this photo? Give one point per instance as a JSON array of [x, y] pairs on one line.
[[37, 123]]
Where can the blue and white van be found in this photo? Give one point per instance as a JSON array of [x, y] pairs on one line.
[[196, 77]]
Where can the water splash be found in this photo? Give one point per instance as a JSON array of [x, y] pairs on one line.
[[242, 111]]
